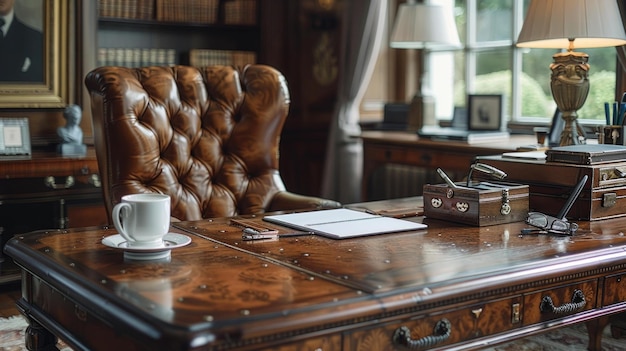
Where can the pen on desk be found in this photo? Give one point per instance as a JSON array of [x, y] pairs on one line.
[[615, 113], [253, 234], [446, 179], [607, 113], [247, 237]]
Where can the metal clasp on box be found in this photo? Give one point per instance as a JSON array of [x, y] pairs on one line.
[[609, 199], [505, 209]]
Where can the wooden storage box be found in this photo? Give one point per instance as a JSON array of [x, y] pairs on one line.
[[550, 183], [492, 203]]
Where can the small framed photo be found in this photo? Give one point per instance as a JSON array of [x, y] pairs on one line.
[[485, 112], [14, 138]]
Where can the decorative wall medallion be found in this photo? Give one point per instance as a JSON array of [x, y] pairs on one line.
[[326, 4], [325, 62]]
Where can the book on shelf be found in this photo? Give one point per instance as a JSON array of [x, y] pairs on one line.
[[240, 12], [130, 9], [207, 57], [188, 11], [136, 57]]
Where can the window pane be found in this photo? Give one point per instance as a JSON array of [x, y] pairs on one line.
[[446, 81], [601, 83], [494, 20], [493, 75], [537, 101], [460, 17]]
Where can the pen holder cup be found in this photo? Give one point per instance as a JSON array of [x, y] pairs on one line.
[[614, 135]]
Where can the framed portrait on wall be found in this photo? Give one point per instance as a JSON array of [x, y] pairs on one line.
[[34, 60], [485, 112]]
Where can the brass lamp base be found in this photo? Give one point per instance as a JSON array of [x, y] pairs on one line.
[[570, 87]]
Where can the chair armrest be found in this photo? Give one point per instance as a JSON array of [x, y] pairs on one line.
[[285, 200]]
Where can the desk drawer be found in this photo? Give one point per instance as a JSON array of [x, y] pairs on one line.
[[325, 343], [464, 324], [559, 302], [456, 161], [614, 289]]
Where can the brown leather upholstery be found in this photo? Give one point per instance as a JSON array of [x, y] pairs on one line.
[[208, 137]]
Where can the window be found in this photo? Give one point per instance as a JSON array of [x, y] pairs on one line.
[[490, 63]]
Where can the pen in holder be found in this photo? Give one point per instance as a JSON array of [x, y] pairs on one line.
[[614, 134]]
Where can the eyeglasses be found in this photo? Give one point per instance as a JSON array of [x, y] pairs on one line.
[[550, 224]]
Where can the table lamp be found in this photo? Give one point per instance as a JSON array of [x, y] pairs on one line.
[[423, 26], [569, 24]]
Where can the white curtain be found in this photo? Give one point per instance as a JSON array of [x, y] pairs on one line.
[[363, 27]]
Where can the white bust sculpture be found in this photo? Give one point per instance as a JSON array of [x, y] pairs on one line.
[[71, 135]]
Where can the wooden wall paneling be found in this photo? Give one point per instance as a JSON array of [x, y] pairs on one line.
[[309, 58]]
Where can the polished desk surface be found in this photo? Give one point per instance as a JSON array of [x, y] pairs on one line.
[[222, 291]]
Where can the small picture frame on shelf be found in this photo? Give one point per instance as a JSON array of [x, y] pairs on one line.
[[485, 112], [14, 139]]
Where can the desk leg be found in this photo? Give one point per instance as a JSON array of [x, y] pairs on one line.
[[37, 338], [594, 330], [618, 326]]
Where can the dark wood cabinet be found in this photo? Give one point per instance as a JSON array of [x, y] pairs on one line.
[[47, 192]]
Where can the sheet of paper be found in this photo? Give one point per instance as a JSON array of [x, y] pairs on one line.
[[343, 223], [528, 155]]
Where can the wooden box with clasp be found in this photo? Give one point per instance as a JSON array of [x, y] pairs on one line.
[[550, 183], [482, 204]]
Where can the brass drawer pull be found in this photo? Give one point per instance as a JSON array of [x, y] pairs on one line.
[[441, 332], [52, 184], [577, 304]]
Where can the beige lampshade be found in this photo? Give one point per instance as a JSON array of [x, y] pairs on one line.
[[591, 23], [419, 26]]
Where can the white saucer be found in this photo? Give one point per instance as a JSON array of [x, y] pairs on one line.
[[170, 241]]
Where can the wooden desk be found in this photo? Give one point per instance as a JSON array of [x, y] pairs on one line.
[[406, 148], [47, 191], [484, 285]]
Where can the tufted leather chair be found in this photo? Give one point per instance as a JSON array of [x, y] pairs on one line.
[[208, 137]]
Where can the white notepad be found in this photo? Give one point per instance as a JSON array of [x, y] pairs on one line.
[[343, 223]]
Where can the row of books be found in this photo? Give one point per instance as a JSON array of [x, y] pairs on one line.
[[206, 57], [241, 12], [138, 57], [197, 11], [235, 12], [131, 9]]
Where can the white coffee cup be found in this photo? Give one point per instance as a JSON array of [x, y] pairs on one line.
[[143, 219]]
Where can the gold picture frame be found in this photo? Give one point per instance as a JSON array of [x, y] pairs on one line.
[[53, 91]]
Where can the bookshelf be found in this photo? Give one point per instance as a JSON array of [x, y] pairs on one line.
[[137, 33]]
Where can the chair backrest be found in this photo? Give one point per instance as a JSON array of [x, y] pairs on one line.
[[208, 137]]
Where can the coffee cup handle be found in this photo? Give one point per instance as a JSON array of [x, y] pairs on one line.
[[119, 225]]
